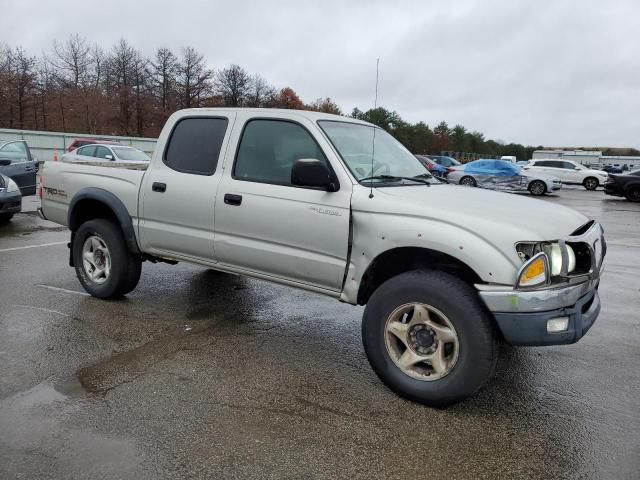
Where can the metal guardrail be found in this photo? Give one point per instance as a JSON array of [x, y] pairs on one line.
[[43, 144]]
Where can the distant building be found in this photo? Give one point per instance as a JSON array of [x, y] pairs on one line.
[[588, 157]]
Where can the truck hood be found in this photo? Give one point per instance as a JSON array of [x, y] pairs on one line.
[[501, 218]]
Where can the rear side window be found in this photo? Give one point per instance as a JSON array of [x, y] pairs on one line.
[[269, 148], [194, 145]]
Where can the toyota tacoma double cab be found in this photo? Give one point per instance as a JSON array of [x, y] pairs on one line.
[[337, 206]]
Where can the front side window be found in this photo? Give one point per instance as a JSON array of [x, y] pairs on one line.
[[371, 152], [88, 151], [195, 144], [15, 151], [269, 148], [102, 152]]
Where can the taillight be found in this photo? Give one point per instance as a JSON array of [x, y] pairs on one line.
[[429, 167], [450, 169]]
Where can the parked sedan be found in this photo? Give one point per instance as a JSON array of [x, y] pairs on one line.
[[17, 163], [502, 175], [111, 153], [626, 185], [10, 199], [436, 169]]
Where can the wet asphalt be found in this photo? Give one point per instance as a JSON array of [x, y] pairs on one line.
[[199, 374]]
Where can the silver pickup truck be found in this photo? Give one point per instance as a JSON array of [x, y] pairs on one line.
[[337, 206]]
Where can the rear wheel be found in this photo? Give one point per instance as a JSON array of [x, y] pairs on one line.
[[5, 218], [633, 194], [537, 188], [428, 338], [590, 183], [468, 182], [103, 264]]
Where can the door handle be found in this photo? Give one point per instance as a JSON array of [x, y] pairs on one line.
[[231, 199], [159, 187]]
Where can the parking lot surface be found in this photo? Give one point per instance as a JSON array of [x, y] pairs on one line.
[[199, 374]]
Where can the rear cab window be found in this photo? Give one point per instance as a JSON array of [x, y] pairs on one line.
[[194, 145]]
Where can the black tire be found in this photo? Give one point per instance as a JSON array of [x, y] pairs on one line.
[[590, 183], [633, 194], [468, 181], [125, 266], [537, 188], [5, 218], [478, 345]]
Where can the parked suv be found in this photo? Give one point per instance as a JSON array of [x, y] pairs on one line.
[[569, 172]]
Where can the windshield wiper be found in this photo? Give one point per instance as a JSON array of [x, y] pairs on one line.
[[418, 178]]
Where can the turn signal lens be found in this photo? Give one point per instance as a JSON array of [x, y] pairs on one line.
[[535, 272]]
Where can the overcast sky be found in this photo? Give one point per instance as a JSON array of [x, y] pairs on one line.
[[553, 73]]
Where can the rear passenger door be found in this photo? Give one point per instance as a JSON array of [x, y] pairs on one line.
[[178, 191]]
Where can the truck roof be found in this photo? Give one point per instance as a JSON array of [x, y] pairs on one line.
[[309, 114]]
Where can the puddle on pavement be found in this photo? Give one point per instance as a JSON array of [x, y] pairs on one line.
[[69, 387]]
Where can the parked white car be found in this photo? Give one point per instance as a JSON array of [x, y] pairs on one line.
[[569, 172], [339, 207], [102, 153]]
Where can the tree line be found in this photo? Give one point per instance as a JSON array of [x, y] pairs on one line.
[[77, 86]]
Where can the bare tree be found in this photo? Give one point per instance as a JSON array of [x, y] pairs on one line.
[[121, 72], [260, 93], [164, 71], [72, 59], [233, 85], [22, 81], [194, 78]]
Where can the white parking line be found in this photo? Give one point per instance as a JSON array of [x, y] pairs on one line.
[[64, 290], [41, 309], [31, 246]]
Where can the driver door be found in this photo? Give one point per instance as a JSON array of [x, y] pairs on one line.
[[264, 224]]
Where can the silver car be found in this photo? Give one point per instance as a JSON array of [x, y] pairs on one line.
[[111, 153], [502, 175]]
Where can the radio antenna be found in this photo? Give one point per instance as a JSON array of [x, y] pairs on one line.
[[373, 142]]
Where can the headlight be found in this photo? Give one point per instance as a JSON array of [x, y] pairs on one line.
[[553, 251], [12, 186]]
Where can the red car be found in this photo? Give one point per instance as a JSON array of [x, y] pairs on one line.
[[80, 142]]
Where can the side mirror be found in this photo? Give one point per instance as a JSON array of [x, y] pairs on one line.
[[5, 161], [109, 157], [311, 172]]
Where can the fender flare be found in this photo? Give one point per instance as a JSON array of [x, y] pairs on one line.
[[114, 204]]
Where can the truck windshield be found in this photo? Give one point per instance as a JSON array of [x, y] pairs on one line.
[[372, 155]]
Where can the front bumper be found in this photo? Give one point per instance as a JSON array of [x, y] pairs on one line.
[[10, 203], [530, 328], [523, 315]]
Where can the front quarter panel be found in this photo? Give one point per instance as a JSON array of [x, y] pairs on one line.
[[376, 233]]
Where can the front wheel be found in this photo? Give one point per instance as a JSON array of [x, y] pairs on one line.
[[590, 183], [537, 188], [428, 338], [103, 263]]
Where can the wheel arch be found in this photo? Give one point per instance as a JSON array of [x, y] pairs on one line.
[[399, 260], [91, 203]]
